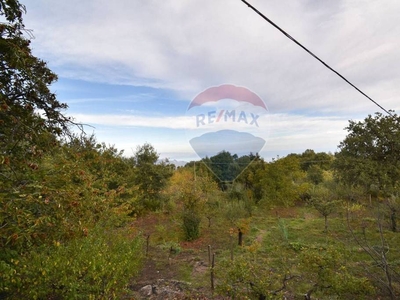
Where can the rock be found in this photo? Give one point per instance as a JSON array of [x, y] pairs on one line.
[[200, 267], [164, 289], [146, 291]]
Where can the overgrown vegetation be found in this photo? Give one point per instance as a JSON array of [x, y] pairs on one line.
[[309, 225]]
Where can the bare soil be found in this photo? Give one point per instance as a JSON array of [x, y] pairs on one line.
[[187, 264], [190, 262]]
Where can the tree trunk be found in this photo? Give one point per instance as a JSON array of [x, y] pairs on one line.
[[212, 272], [393, 224], [231, 245], [326, 223], [240, 237]]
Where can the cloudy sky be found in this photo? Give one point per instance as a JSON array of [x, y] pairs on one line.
[[130, 68]]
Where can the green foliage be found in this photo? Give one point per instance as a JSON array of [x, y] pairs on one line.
[[315, 174], [323, 200], [292, 267], [286, 257], [151, 177], [369, 158], [70, 192], [227, 167], [98, 266], [284, 229], [172, 247], [244, 278], [251, 177], [60, 221], [309, 159], [392, 207], [327, 271], [235, 211], [191, 225], [24, 90], [194, 195], [12, 10], [212, 209], [282, 181], [370, 153], [61, 196]]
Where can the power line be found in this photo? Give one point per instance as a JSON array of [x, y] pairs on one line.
[[313, 55]]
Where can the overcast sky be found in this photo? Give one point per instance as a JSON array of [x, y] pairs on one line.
[[130, 68]]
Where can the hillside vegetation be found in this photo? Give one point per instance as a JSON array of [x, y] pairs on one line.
[[79, 220]]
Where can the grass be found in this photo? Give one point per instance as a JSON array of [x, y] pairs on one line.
[[280, 243]]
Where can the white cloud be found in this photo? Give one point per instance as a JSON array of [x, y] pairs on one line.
[[135, 121], [288, 134], [296, 133], [187, 46], [281, 124]]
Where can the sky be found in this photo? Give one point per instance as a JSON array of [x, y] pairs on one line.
[[130, 68]]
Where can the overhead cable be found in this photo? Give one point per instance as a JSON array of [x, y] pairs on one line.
[[315, 56]]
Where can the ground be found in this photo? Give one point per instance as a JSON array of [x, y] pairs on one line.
[[171, 259], [282, 238]]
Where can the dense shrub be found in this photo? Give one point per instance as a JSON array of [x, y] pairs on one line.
[[94, 267], [191, 225]]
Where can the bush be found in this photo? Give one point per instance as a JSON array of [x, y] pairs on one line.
[[98, 266], [244, 278], [191, 225]]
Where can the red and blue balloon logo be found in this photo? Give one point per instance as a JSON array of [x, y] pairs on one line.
[[227, 118]]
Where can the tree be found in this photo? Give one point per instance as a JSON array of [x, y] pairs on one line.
[[223, 165], [251, 176], [151, 176], [282, 181], [194, 195], [31, 121], [323, 200], [227, 167], [59, 194], [315, 174], [71, 191], [309, 158], [30, 115], [370, 156]]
